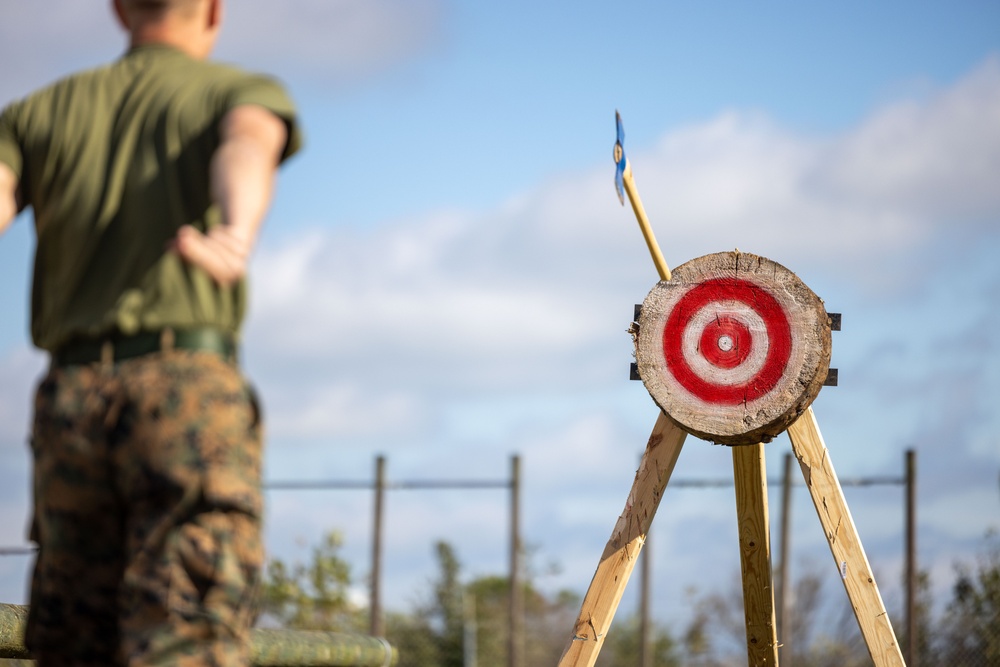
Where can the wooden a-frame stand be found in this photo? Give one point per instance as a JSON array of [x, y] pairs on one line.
[[629, 535], [657, 464]]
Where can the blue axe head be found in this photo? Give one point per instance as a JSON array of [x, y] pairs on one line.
[[619, 156]]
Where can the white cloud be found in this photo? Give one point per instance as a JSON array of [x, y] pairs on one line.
[[867, 199], [19, 371], [538, 292], [938, 160], [418, 304], [942, 515], [15, 571], [341, 411], [532, 299], [49, 42], [333, 41]]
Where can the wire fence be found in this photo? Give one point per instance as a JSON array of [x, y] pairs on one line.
[[963, 633]]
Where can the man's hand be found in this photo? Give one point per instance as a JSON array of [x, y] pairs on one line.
[[222, 252], [242, 173], [10, 199]]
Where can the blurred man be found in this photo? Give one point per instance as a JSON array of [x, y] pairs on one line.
[[149, 179]]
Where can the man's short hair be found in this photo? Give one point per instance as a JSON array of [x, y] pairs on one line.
[[159, 5]]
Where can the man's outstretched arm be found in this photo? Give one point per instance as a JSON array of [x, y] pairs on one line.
[[242, 172], [10, 199]]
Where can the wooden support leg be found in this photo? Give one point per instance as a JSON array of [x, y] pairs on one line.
[[750, 473], [622, 550], [848, 553]]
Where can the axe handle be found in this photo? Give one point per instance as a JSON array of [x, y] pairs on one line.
[[647, 230]]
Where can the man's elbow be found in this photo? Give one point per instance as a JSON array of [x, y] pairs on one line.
[[257, 125]]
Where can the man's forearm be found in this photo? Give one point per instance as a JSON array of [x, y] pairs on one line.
[[243, 168], [242, 182], [10, 202]]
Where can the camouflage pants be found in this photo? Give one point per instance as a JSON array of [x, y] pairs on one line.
[[147, 513]]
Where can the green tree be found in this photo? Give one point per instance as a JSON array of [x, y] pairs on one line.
[[312, 596], [819, 633], [971, 623], [457, 617], [926, 627], [547, 622], [621, 648], [432, 634], [446, 610], [488, 598], [413, 637]]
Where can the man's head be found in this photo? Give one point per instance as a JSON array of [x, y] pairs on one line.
[[190, 25]]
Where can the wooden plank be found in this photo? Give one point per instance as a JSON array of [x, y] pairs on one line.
[[750, 473], [622, 551], [845, 544]]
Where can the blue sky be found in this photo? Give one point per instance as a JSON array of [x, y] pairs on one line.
[[446, 275]]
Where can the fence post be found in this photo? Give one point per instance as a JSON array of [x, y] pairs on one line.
[[784, 650], [515, 656], [645, 622], [912, 652], [376, 628]]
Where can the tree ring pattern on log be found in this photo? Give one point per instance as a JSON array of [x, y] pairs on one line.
[[733, 348]]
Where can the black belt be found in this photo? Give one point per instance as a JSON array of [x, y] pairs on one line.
[[118, 347]]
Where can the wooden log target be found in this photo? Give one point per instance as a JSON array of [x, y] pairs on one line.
[[733, 348]]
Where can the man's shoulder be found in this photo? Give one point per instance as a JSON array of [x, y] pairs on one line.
[[61, 85], [229, 72], [169, 59]]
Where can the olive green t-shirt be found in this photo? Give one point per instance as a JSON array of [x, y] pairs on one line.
[[114, 161]]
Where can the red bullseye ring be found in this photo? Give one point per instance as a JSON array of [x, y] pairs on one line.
[[731, 340], [725, 342]]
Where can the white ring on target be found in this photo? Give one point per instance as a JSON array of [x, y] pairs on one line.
[[706, 370]]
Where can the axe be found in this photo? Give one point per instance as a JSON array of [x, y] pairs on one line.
[[625, 183]]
